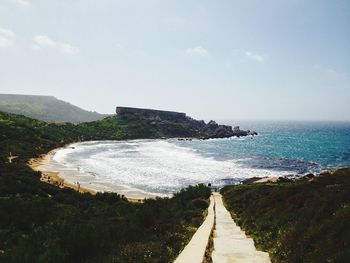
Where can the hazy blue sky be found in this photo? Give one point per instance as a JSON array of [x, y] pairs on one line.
[[247, 59]]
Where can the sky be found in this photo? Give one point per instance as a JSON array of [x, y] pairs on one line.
[[224, 59]]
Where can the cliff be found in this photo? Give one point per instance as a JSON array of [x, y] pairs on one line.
[[149, 113], [180, 124]]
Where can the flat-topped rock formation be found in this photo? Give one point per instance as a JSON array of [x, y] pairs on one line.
[[149, 113], [181, 124]]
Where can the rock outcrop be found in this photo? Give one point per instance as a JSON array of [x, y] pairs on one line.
[[179, 120], [151, 114]]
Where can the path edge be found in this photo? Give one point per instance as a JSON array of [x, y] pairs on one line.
[[195, 250]]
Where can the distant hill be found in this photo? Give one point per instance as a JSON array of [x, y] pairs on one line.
[[46, 108]]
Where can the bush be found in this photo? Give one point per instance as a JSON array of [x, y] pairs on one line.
[[43, 223], [303, 221], [200, 203]]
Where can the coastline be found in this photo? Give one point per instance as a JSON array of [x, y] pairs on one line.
[[62, 176], [53, 177]]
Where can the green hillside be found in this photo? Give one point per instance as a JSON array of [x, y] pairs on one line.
[[297, 221], [46, 108], [40, 222]]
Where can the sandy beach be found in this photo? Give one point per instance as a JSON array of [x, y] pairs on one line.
[[55, 170], [62, 176], [54, 177]]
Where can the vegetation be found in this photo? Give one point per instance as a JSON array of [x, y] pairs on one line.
[[43, 223], [46, 108], [28, 137], [302, 221], [132, 127]]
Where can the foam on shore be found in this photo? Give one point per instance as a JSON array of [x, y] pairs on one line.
[[71, 176], [145, 168]]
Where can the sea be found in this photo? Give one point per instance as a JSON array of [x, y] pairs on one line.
[[163, 167]]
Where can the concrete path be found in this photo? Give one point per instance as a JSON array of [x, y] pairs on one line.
[[195, 249], [231, 245]]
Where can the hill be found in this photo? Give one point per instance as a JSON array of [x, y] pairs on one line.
[[296, 221], [46, 108], [40, 222]]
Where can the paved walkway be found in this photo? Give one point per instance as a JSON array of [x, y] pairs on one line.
[[195, 249], [231, 245]]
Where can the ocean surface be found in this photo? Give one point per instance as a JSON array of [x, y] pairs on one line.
[[166, 166]]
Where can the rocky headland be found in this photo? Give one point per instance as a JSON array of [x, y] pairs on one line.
[[183, 124]]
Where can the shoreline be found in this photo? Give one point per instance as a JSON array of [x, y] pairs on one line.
[[62, 176], [52, 177]]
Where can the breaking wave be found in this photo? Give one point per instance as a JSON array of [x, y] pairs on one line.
[[154, 166]]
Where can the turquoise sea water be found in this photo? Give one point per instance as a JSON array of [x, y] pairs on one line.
[[166, 166], [295, 147]]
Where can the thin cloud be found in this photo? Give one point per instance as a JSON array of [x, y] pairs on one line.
[[6, 38], [198, 51], [332, 71], [35, 47], [255, 57], [21, 3], [335, 73], [329, 71], [68, 49], [119, 46], [43, 41], [228, 64]]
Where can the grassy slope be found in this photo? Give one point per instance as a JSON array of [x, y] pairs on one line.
[[46, 108], [307, 221], [28, 137], [42, 223], [131, 127]]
